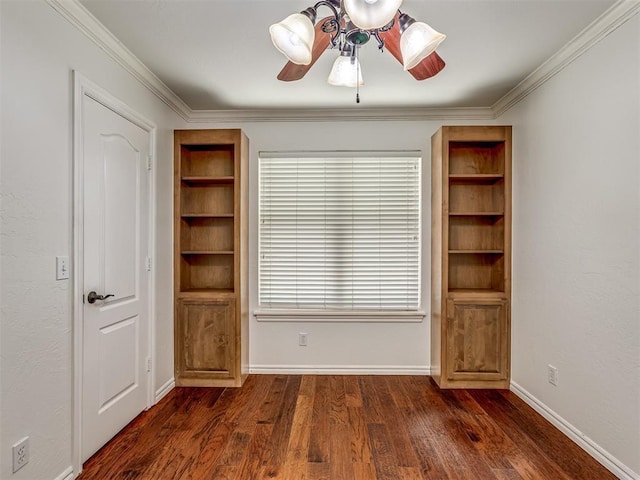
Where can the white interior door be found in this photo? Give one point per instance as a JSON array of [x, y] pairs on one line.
[[115, 340]]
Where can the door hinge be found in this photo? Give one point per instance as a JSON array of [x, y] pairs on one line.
[[148, 364], [148, 264], [149, 162]]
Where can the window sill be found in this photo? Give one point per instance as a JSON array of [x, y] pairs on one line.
[[339, 316]]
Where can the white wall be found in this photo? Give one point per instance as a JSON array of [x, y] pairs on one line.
[[576, 228], [39, 51]]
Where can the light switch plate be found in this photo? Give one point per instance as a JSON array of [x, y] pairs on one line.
[[62, 268]]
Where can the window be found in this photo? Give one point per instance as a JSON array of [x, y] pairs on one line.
[[339, 231]]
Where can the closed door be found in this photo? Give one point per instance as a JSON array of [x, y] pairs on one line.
[[116, 282]]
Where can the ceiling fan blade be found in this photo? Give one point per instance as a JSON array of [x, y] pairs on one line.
[[292, 71], [427, 68]]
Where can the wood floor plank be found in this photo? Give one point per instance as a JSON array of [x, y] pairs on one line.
[[340, 466], [291, 427], [283, 422], [298, 448], [359, 437], [319, 439], [402, 446], [318, 471], [353, 396], [382, 449], [338, 414]]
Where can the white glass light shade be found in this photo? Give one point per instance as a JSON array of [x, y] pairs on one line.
[[294, 37], [417, 42], [344, 73], [370, 14]]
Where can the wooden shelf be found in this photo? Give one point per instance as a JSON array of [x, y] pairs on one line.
[[207, 215], [207, 252], [476, 291], [204, 180], [475, 177], [208, 290], [491, 252], [473, 214]]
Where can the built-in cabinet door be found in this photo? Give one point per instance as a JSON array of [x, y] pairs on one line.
[[207, 333], [477, 340]]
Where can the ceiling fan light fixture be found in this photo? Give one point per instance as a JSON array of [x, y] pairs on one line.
[[418, 41], [294, 37], [371, 14], [346, 72]]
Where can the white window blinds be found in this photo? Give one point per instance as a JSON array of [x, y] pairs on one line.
[[339, 231]]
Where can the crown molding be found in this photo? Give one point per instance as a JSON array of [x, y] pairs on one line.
[[339, 114], [91, 27], [606, 23]]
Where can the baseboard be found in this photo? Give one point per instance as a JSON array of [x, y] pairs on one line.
[[164, 389], [341, 369], [614, 465], [66, 475]]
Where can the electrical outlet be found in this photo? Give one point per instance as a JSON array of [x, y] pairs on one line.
[[302, 339], [20, 454], [552, 375]]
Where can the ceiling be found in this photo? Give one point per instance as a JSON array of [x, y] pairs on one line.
[[217, 54]]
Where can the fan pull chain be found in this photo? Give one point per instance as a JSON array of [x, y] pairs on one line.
[[357, 76]]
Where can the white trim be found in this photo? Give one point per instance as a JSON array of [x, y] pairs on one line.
[[90, 26], [66, 475], [84, 87], [341, 114], [587, 444], [84, 21], [602, 26], [338, 316], [164, 390], [340, 369]]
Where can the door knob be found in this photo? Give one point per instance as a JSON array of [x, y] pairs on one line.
[[93, 296]]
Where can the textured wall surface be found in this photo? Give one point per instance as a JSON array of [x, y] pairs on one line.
[[40, 49], [576, 270]]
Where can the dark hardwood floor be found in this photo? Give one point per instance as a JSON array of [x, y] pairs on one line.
[[341, 428]]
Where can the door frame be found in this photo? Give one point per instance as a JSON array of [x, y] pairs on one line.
[[84, 87]]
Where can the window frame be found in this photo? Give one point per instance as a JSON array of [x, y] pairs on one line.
[[276, 314]]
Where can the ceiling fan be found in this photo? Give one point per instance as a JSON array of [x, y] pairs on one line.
[[352, 24]]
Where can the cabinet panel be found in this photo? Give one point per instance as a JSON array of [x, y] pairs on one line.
[[477, 340], [206, 330]]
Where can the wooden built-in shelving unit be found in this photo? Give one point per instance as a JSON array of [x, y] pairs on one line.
[[211, 223], [471, 256]]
